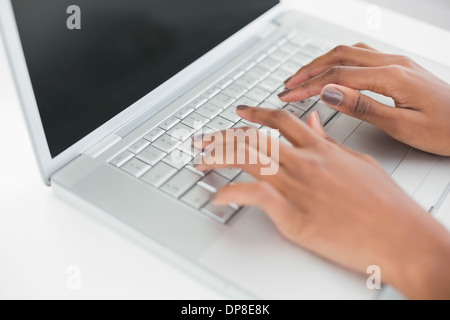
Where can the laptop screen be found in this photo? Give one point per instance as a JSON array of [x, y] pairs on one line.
[[88, 65]]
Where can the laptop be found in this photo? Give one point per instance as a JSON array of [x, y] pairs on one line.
[[107, 86]]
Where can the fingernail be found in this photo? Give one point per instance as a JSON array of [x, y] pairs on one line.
[[288, 79], [284, 93], [242, 107], [332, 96]]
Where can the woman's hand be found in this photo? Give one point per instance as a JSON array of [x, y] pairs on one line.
[[422, 114], [337, 203]]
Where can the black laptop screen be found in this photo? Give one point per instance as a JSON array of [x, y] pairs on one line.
[[124, 49]]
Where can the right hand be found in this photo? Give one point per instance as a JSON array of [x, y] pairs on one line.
[[421, 118]]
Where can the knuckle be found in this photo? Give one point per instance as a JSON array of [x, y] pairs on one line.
[[279, 115], [334, 73], [315, 164], [405, 61], [361, 44], [368, 158], [340, 49], [397, 72], [361, 107]]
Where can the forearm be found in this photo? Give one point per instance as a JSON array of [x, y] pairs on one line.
[[424, 273]]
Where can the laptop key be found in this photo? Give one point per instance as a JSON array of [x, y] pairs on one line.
[[209, 110], [169, 123], [151, 155], [211, 92], [188, 148], [180, 182], [246, 101], [219, 124], [222, 101], [281, 55], [138, 146], [135, 167], [154, 134], [251, 124], [234, 91], [270, 84], [291, 66], [244, 177], [197, 197], [159, 174], [122, 158], [240, 125], [291, 48], [229, 173], [273, 99], [177, 159], [166, 143], [259, 73], [224, 83], [197, 102], [213, 182], [301, 58], [270, 64], [258, 94], [195, 120], [304, 105], [268, 105], [221, 214], [183, 112], [230, 114], [281, 75], [236, 74], [181, 131], [247, 81], [325, 112], [295, 111]]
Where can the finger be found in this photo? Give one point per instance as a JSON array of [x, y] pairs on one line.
[[360, 106], [363, 45], [380, 80], [293, 129], [315, 123], [244, 157], [350, 56], [256, 138], [264, 196]]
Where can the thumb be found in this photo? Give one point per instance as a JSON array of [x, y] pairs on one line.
[[360, 106]]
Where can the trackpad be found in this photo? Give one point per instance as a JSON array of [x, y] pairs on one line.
[[374, 142], [254, 256]]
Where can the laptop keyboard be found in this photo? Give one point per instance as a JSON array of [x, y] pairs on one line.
[[256, 82]]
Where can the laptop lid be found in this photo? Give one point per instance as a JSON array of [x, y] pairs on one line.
[[83, 68]]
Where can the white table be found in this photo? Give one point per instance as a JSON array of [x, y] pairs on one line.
[[41, 237]]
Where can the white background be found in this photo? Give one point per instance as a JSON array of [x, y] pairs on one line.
[[41, 236]]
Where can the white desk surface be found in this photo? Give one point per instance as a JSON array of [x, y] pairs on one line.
[[41, 236]]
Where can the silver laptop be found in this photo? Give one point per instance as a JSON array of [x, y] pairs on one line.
[[113, 90]]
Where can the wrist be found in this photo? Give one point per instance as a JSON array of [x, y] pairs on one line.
[[424, 274]]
